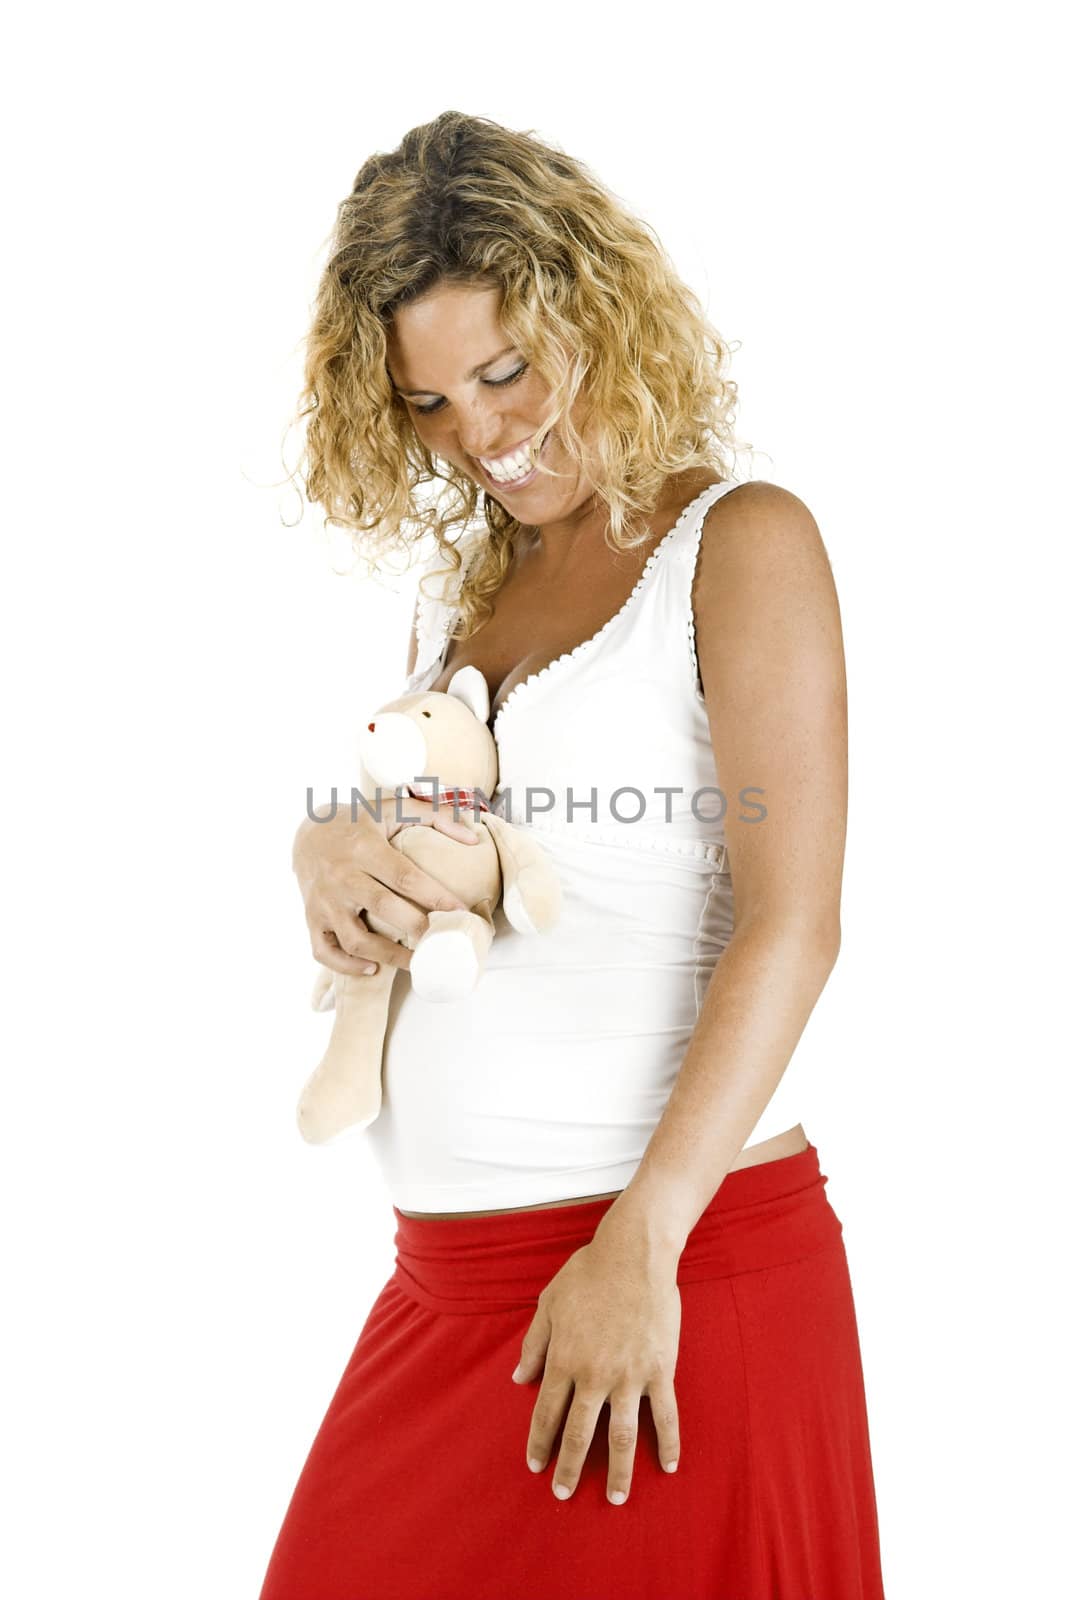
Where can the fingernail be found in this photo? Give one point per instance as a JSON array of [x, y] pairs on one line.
[[517, 1373], [616, 1496], [372, 967], [670, 1466], [534, 1464], [561, 1491]]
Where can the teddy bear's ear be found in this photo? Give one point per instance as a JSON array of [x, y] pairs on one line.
[[469, 686]]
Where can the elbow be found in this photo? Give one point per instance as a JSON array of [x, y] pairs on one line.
[[809, 945], [815, 948], [822, 936], [828, 946]]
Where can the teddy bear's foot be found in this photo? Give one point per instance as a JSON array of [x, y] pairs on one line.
[[344, 1092], [444, 966], [321, 1118]]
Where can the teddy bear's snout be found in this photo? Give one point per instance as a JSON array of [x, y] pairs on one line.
[[392, 748]]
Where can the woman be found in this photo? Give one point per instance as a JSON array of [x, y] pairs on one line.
[[596, 1162]]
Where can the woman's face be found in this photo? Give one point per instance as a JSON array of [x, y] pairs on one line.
[[473, 401]]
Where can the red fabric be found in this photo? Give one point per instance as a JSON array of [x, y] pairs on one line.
[[463, 799], [416, 1486]]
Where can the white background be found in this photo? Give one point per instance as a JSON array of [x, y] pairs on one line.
[[865, 200]]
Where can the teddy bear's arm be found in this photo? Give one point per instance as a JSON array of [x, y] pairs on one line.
[[532, 899]]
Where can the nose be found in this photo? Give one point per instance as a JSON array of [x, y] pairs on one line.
[[478, 442], [480, 431]]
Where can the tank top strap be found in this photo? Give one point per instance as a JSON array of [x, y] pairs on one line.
[[687, 554], [660, 611]]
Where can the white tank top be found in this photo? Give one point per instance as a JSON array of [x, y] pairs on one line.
[[547, 1082]]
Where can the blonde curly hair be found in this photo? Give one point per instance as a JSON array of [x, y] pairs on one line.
[[588, 296]]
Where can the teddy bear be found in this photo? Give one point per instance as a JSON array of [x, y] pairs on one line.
[[433, 743]]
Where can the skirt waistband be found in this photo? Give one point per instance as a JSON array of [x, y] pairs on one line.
[[760, 1216]]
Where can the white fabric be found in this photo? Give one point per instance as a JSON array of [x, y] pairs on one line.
[[547, 1082]]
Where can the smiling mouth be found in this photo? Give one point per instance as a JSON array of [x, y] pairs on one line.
[[527, 477]]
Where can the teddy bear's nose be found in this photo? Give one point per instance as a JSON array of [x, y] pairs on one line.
[[370, 725]]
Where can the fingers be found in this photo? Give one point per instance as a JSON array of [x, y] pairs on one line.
[[388, 869], [463, 831], [360, 960], [340, 937], [580, 1427], [358, 874], [548, 1413], [578, 1433], [664, 1415], [622, 1443], [441, 816], [462, 827]]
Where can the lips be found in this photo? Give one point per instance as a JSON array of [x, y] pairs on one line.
[[516, 483], [508, 452]]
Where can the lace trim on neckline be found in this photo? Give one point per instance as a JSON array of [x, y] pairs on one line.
[[449, 611], [612, 622]]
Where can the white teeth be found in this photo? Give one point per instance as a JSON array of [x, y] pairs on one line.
[[509, 468]]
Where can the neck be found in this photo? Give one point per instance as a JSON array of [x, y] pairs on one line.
[[555, 543]]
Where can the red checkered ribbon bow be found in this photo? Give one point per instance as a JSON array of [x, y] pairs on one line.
[[465, 799]]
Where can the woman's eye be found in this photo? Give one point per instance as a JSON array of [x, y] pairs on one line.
[[495, 383], [512, 377]]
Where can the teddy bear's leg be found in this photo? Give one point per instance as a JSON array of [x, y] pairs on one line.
[[344, 1091], [322, 996], [448, 959]]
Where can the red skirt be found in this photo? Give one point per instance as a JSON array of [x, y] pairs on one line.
[[416, 1485]]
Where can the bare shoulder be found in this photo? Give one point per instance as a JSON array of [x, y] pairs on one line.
[[771, 516], [759, 541]]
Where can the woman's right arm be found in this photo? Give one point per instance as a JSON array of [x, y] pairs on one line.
[[346, 867]]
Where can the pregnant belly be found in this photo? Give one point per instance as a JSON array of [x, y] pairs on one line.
[[555, 1071], [790, 1143]]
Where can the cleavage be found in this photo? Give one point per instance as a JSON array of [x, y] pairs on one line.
[[525, 610]]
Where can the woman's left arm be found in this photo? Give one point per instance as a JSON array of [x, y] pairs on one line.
[[771, 658]]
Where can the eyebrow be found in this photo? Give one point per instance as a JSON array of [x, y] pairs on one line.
[[475, 372]]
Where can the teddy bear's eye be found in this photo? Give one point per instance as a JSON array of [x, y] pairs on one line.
[[425, 713]]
